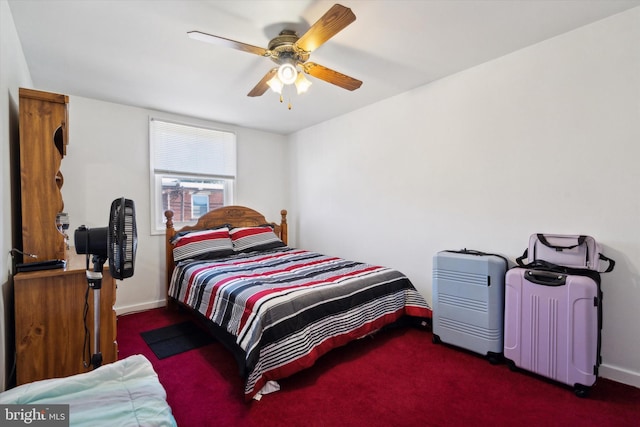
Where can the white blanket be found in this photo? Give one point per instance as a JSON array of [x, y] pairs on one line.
[[123, 393]]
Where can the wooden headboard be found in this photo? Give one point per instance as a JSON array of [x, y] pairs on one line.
[[236, 216]]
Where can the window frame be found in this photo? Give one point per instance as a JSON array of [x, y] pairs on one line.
[[157, 218]]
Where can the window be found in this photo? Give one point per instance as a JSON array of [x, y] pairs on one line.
[[192, 171], [199, 204]]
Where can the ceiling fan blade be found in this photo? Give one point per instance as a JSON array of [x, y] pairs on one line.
[[331, 23], [221, 41], [262, 86], [331, 76]]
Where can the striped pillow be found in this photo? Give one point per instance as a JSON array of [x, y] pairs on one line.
[[247, 239], [202, 244]]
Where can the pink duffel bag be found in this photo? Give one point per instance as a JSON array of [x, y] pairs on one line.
[[575, 251]]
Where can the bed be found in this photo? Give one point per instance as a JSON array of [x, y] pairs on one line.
[[123, 393], [278, 308]]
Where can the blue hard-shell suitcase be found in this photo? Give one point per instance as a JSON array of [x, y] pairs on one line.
[[468, 301]]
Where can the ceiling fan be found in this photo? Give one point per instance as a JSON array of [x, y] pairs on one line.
[[290, 52]]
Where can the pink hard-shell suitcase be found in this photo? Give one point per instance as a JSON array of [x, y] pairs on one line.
[[552, 325]]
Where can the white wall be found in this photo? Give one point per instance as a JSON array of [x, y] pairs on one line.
[[542, 140], [108, 157], [14, 73], [448, 165]]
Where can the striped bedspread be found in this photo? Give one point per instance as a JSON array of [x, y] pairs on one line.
[[287, 307]]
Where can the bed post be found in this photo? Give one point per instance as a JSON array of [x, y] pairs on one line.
[[284, 229], [169, 254]]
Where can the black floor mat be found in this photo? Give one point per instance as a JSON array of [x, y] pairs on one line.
[[176, 339]]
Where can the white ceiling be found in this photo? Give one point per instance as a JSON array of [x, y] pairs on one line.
[[136, 52]]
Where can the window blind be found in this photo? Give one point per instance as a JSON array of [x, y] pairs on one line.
[[192, 150]]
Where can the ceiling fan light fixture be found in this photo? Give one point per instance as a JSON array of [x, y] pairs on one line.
[[287, 73], [275, 84], [302, 84], [291, 52]]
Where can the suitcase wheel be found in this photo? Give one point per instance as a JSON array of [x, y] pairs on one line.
[[435, 339], [512, 365], [581, 390], [494, 358]]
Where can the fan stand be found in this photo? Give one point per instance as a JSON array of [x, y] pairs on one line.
[[94, 279]]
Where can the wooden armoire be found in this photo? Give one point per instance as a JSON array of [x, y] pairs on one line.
[[49, 304]]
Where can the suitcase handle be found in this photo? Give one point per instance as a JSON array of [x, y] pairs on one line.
[[545, 242], [546, 278], [479, 253]]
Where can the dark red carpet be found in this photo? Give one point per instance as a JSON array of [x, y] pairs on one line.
[[397, 378]]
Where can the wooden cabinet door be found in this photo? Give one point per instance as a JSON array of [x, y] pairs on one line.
[[50, 322], [43, 141]]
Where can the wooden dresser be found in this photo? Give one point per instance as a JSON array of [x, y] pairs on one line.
[[50, 326], [49, 304]]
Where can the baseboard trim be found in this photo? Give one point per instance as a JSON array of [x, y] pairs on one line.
[[127, 309], [620, 375]]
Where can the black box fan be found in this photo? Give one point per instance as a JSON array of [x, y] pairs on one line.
[[122, 240], [116, 243]]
